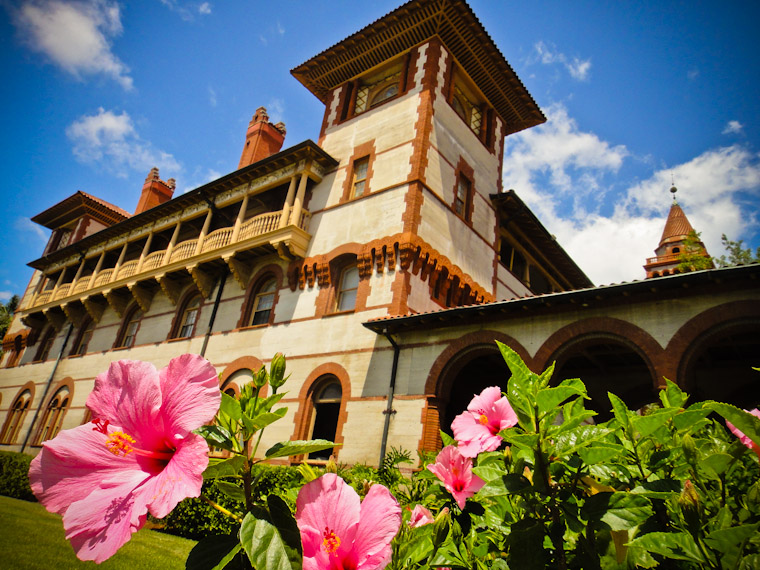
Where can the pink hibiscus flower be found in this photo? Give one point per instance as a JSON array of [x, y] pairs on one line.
[[340, 532], [477, 429], [138, 455], [420, 517], [455, 471], [740, 434]]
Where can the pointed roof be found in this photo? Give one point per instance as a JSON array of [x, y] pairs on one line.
[[677, 227]]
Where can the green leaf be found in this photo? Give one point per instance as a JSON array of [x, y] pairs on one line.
[[676, 545], [716, 464], [601, 452], [217, 436], [742, 420], [264, 545], [617, 511], [224, 468], [728, 542], [231, 490], [286, 525], [688, 418], [416, 547], [231, 407], [265, 404], [505, 485], [524, 440], [213, 553], [447, 439], [648, 424], [550, 398], [263, 420], [574, 440], [672, 396], [298, 447], [622, 414], [526, 545]]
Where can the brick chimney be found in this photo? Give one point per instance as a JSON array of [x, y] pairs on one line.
[[155, 191], [263, 139]]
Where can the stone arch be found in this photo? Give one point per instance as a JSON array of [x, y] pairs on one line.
[[609, 355], [241, 363], [716, 351], [447, 392], [305, 414]]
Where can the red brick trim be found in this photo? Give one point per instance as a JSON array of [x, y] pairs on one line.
[[366, 149], [444, 370], [262, 275], [242, 363], [424, 125], [558, 346], [685, 345], [303, 416]]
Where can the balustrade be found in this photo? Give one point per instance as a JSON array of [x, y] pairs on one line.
[[222, 237]]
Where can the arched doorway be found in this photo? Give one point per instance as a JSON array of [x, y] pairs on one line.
[[719, 365], [606, 363], [472, 370]]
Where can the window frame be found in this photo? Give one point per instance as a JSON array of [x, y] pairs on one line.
[[21, 405], [129, 319], [83, 339], [182, 315], [260, 292], [52, 419], [341, 290], [46, 344], [317, 402], [467, 102]]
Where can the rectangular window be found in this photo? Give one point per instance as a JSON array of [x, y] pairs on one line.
[[349, 284], [360, 176], [462, 198]]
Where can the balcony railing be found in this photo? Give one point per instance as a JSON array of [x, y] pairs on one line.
[[257, 227], [664, 258]]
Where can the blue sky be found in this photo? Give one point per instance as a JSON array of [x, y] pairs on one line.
[[97, 92]]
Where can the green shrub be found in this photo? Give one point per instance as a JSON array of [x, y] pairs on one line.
[[14, 475]]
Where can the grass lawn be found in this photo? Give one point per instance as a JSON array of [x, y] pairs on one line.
[[33, 538]]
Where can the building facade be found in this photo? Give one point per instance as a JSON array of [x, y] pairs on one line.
[[383, 261]]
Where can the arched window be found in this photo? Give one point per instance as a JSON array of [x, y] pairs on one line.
[[326, 402], [15, 353], [348, 285], [15, 418], [385, 91], [45, 345], [189, 317], [53, 417], [263, 302], [241, 377], [129, 328], [83, 338]]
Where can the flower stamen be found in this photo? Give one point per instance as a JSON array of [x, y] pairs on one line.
[[483, 419], [330, 541], [120, 443]]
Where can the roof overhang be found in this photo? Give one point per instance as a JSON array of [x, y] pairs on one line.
[[454, 22], [307, 150], [76, 206], [743, 276], [512, 210]]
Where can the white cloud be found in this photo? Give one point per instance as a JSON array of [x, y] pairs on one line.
[[276, 110], [111, 141], [188, 10], [212, 96], [561, 173], [76, 36], [27, 227], [692, 74], [733, 127], [5, 296], [547, 54]]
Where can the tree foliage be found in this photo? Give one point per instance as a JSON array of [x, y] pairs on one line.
[[737, 253]]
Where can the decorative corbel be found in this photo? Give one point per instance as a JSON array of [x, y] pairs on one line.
[[74, 312], [240, 271], [116, 301], [94, 308], [142, 295], [35, 321], [56, 318], [170, 287], [203, 280]]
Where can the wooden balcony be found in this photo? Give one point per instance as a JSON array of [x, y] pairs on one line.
[[260, 235]]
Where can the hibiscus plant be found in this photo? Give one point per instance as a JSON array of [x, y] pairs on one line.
[[528, 481]]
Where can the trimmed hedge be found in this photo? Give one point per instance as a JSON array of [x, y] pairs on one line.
[[14, 475]]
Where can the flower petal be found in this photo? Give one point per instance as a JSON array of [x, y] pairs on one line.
[[100, 524], [74, 463], [379, 522], [329, 503], [181, 477], [485, 400], [128, 395], [191, 396]]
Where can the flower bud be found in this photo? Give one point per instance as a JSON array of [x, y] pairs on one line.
[[690, 505], [260, 378], [277, 371], [689, 450]]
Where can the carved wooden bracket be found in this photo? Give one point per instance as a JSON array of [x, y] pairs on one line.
[[74, 312], [142, 295], [56, 318], [240, 271], [170, 287], [203, 280], [94, 307], [35, 321], [116, 301]]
